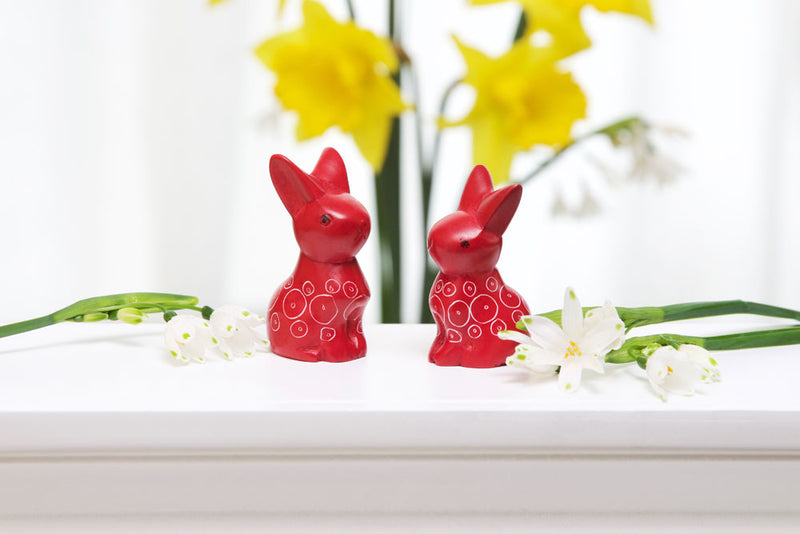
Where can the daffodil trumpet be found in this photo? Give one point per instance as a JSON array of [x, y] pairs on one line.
[[133, 307]]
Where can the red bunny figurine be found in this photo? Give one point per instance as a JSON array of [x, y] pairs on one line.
[[469, 300], [316, 314]]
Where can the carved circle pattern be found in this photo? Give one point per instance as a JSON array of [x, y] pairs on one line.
[[449, 289], [350, 289], [484, 308], [274, 321], [332, 286], [458, 313], [474, 331], [289, 282], [323, 309], [308, 288], [438, 287], [491, 284], [509, 297], [299, 329], [497, 326], [326, 333], [469, 288], [294, 304], [453, 336], [516, 315]]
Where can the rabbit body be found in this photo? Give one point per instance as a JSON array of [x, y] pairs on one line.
[[469, 300], [316, 314]]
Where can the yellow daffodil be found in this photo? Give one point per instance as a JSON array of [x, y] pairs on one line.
[[522, 100], [336, 74], [561, 18]]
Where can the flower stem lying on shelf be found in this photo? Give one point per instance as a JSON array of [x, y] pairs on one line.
[[647, 315], [107, 306], [634, 348]]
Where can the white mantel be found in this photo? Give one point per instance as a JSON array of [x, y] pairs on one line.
[[99, 419]]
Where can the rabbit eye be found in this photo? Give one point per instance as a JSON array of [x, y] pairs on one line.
[[465, 244], [325, 220]]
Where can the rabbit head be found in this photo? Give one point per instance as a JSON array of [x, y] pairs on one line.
[[470, 239], [329, 224]]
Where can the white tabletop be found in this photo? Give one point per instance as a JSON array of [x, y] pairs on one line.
[[107, 387]]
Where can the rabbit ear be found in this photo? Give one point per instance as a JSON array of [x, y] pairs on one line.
[[497, 209], [479, 184], [331, 172], [295, 187]]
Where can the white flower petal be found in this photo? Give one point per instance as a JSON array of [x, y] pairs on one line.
[[514, 335], [545, 333], [602, 337], [572, 315], [569, 377]]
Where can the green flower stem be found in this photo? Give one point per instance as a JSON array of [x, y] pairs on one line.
[[429, 268], [387, 192], [647, 315], [633, 348], [609, 130], [522, 25], [110, 304]]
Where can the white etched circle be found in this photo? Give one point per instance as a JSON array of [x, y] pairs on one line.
[[437, 288], [288, 283], [469, 288], [458, 313], [497, 326], [483, 308], [323, 309], [332, 286], [326, 333], [355, 306], [491, 283], [294, 304], [453, 336], [360, 327], [350, 289], [308, 288], [437, 308], [516, 315], [274, 322], [474, 331], [449, 289], [509, 297], [299, 329]]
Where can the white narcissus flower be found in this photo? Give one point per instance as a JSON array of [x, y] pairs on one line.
[[672, 370], [581, 343], [188, 338], [238, 332]]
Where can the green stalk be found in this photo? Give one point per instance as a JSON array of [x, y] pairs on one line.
[[647, 315], [429, 268], [633, 348], [146, 302], [609, 130], [387, 192]]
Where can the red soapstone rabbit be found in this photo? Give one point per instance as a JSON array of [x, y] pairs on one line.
[[469, 300], [316, 314]]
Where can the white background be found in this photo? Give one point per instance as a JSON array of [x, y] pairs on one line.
[[134, 140]]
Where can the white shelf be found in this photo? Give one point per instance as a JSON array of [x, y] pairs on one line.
[[390, 433]]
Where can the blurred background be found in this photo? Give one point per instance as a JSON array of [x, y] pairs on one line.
[[135, 137]]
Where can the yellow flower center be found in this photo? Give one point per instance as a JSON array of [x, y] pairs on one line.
[[669, 370], [572, 350]]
